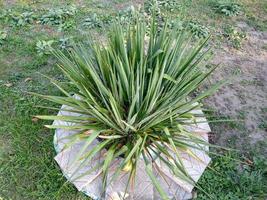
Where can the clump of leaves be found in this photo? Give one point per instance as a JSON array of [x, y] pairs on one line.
[[67, 25], [197, 29], [18, 19], [126, 16], [3, 36], [234, 36], [93, 21], [135, 100], [3, 14], [176, 23], [65, 43], [23, 18], [164, 5], [169, 5], [227, 8], [152, 6], [57, 16], [44, 47]]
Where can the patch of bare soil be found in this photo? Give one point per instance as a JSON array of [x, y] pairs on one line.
[[245, 98], [9, 2], [122, 5]]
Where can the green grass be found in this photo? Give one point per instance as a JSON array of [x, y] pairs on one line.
[[27, 168], [233, 180]]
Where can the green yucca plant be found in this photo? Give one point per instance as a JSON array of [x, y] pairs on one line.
[[135, 97]]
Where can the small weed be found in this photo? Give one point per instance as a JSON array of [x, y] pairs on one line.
[[263, 125], [227, 8], [151, 5], [242, 114], [67, 25], [65, 43], [3, 36], [264, 47], [5, 15], [237, 71], [169, 5], [254, 82], [234, 36], [93, 21], [44, 47], [58, 16], [125, 16], [18, 19], [176, 23], [264, 110], [23, 18], [197, 29]]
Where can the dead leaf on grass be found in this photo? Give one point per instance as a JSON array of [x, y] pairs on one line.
[[28, 79], [35, 119], [8, 84]]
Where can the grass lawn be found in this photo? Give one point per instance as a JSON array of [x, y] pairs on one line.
[[27, 168]]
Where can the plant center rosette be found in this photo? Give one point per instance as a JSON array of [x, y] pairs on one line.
[[134, 128]]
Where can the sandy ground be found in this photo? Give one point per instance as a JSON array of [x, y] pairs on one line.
[[245, 98]]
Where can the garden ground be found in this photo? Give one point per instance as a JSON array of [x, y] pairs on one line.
[[27, 168]]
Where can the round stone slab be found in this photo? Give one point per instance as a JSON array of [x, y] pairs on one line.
[[87, 178]]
